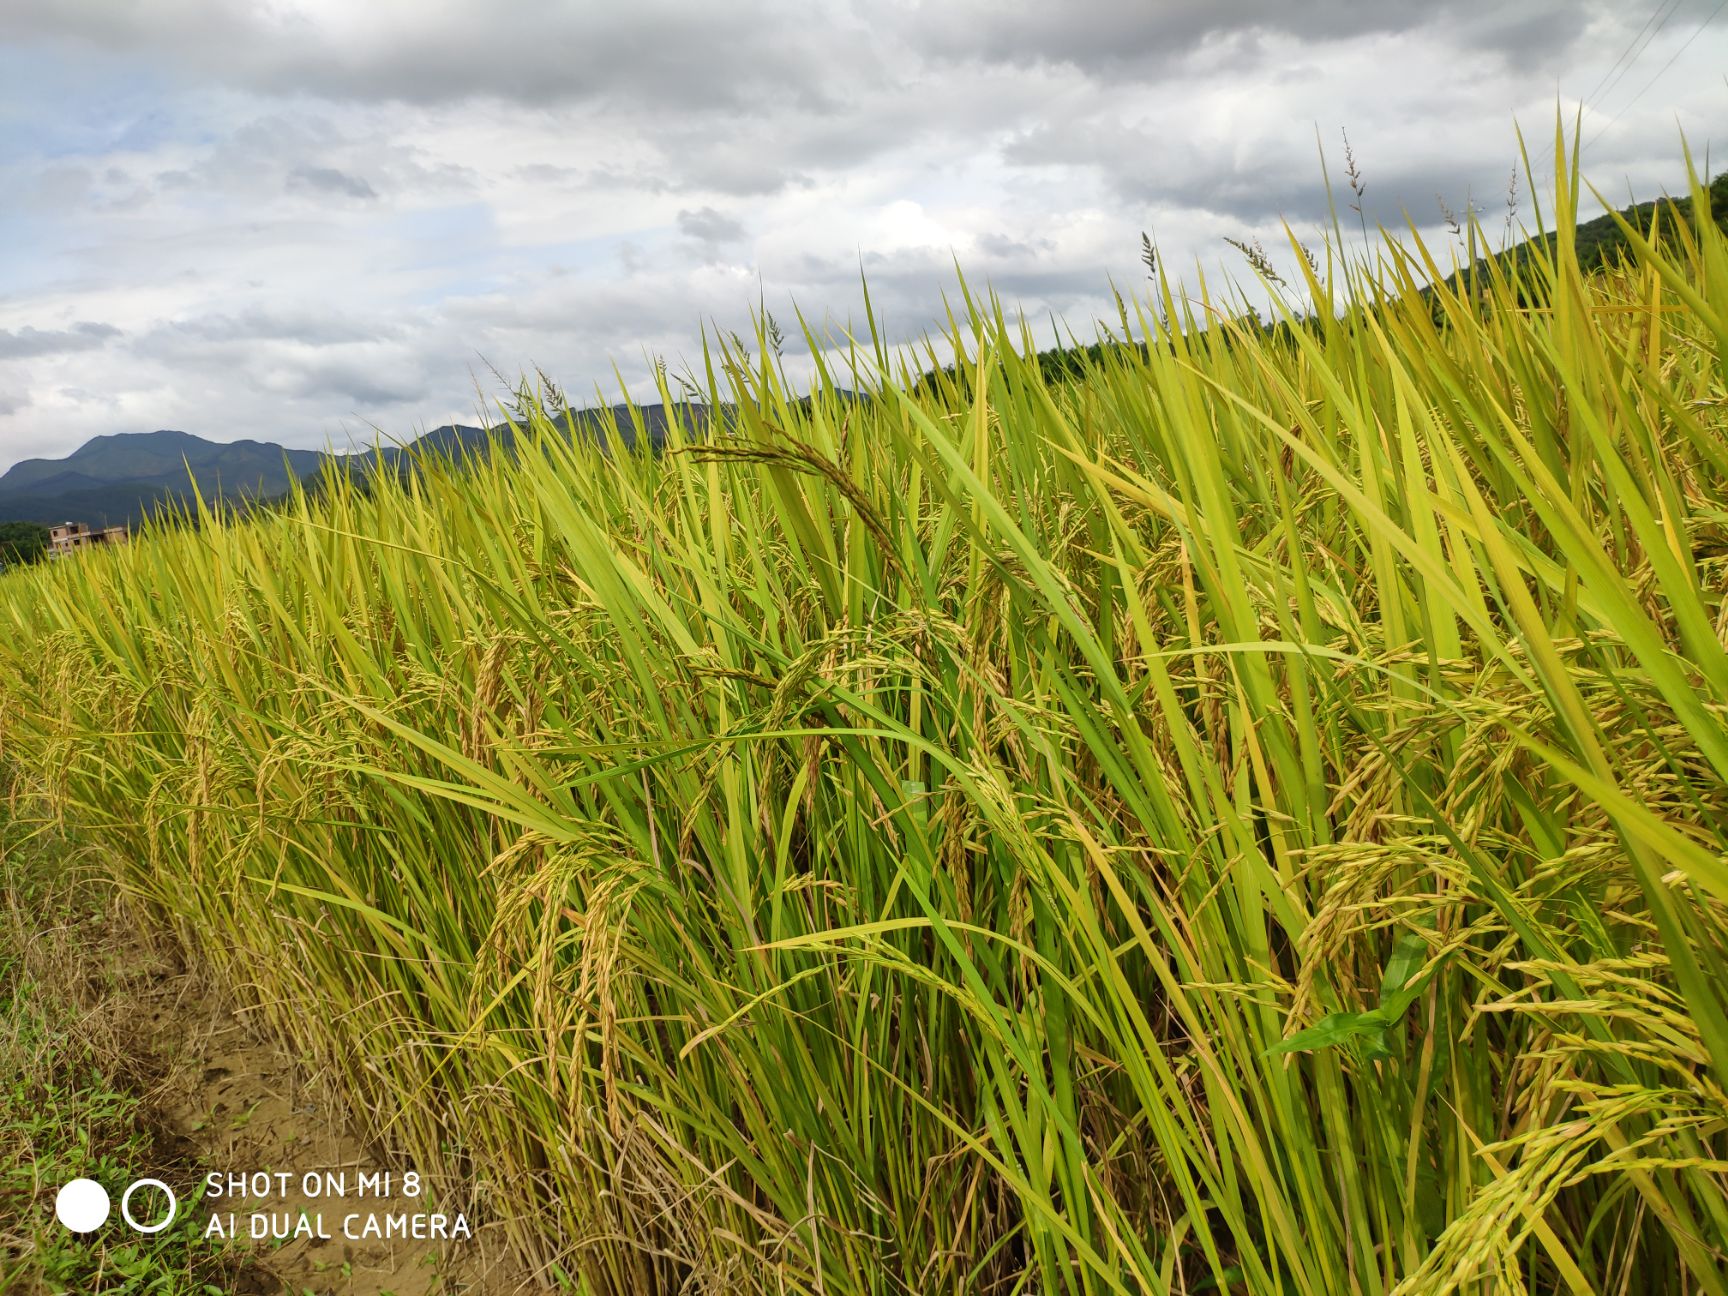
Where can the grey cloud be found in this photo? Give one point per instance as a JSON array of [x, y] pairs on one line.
[[63, 186], [710, 227], [261, 372], [676, 57], [1107, 36], [612, 311], [261, 324], [904, 286], [752, 59], [331, 181], [1546, 30], [543, 175], [1147, 166], [358, 381], [548, 173], [322, 153], [761, 156], [29, 342], [1397, 190], [613, 177], [737, 168], [1001, 245], [292, 360]]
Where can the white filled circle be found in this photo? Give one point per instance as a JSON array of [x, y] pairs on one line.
[[82, 1205], [126, 1200]]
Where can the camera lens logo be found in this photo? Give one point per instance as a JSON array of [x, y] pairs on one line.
[[82, 1205], [126, 1205]]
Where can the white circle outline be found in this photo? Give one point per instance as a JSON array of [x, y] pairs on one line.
[[126, 1205]]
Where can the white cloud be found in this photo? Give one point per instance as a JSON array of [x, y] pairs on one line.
[[290, 218]]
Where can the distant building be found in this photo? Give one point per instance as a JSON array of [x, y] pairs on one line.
[[69, 537]]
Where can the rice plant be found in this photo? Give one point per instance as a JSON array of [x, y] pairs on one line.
[[1249, 817]]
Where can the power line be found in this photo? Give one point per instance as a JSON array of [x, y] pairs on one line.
[[1633, 51], [1660, 72], [1672, 6]]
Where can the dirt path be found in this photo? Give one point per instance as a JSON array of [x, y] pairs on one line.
[[231, 1102]]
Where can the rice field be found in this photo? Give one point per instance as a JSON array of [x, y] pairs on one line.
[[1249, 817]]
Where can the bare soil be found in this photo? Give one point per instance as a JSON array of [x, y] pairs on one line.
[[227, 1099]]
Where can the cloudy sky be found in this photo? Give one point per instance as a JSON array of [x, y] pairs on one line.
[[297, 219]]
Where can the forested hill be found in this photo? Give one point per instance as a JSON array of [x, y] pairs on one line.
[[1601, 241]]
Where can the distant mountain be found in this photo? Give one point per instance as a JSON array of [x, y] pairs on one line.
[[121, 479], [455, 441], [161, 458], [117, 479]]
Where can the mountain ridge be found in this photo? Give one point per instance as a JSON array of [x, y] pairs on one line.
[[120, 478]]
